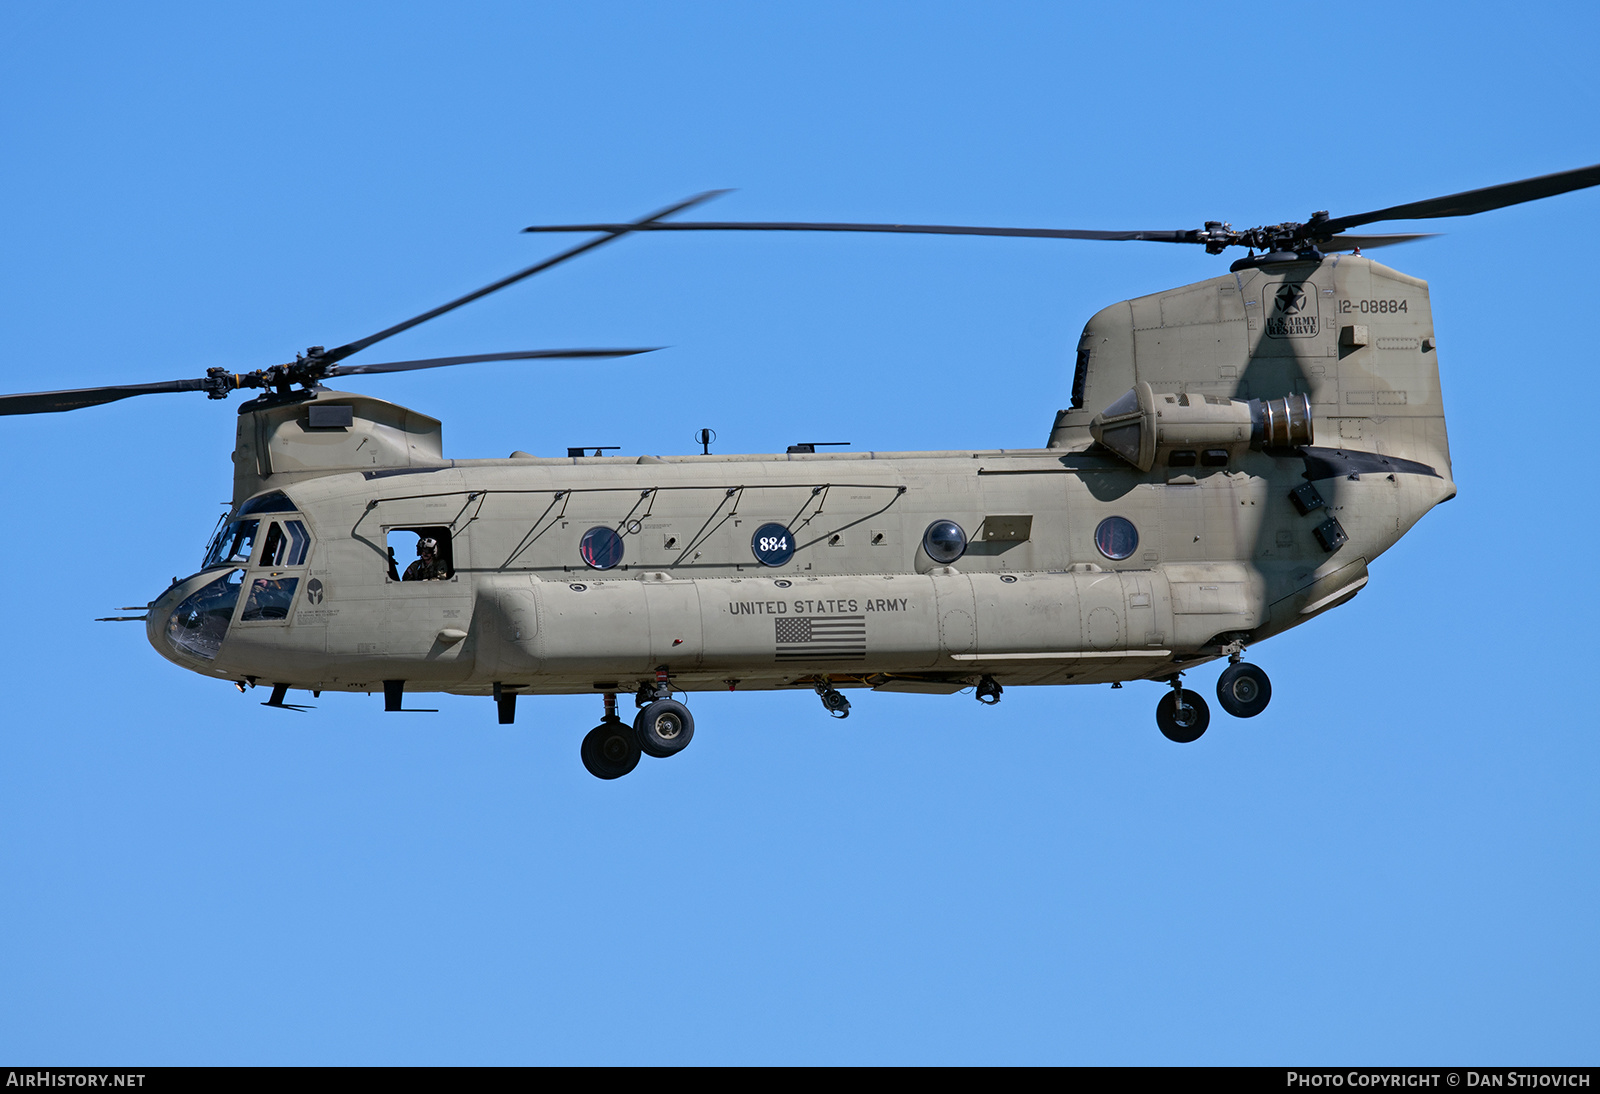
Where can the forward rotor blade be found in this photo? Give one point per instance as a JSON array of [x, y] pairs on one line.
[[341, 352], [523, 355], [1185, 236], [1366, 243], [1476, 201], [47, 402]]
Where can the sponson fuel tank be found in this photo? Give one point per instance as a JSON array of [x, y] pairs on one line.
[[1067, 626]]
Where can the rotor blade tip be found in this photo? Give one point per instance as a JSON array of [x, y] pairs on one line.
[[704, 196]]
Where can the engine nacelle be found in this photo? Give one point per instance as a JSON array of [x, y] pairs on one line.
[[1145, 427]]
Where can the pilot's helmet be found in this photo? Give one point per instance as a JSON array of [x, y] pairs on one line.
[[427, 543]]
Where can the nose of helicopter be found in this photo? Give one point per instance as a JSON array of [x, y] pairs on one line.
[[160, 615], [187, 623]]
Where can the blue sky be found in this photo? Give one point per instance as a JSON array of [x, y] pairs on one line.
[[1396, 863]]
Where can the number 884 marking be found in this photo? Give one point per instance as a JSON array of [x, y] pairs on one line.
[[774, 543], [1373, 307]]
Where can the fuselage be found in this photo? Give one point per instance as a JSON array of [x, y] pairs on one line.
[[1217, 554], [763, 571]]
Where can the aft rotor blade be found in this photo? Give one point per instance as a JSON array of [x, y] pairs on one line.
[[522, 355], [47, 402], [1182, 236], [341, 352], [1476, 201]]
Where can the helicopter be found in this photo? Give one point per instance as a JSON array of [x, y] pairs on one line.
[[1237, 453]]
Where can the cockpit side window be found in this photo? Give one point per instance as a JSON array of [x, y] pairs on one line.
[[271, 594], [286, 544], [421, 554], [269, 599], [232, 544]]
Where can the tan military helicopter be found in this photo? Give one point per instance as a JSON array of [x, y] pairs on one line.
[[1237, 453]]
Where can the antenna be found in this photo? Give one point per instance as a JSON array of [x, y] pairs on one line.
[[703, 438]]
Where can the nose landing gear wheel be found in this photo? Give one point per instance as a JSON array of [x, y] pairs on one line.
[[664, 728], [610, 750], [1182, 723], [1243, 690]]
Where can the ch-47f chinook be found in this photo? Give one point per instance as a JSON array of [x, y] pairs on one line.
[[1237, 453]]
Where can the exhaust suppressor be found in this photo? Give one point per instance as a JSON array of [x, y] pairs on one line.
[[1281, 423], [1187, 430]]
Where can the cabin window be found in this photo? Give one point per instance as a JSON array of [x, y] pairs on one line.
[[1183, 457], [232, 543], [1116, 538], [600, 548], [286, 544], [420, 554], [944, 541]]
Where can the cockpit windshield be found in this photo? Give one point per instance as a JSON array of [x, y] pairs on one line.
[[199, 624], [232, 543]]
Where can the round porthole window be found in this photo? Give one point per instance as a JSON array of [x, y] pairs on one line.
[[944, 541], [773, 545], [601, 548], [1116, 538]]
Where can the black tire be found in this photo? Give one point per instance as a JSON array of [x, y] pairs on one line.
[[1196, 717], [664, 728], [610, 750], [1244, 690]]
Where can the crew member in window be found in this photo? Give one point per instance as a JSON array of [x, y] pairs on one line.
[[428, 567]]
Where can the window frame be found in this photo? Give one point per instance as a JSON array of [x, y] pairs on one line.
[[447, 536], [258, 570]]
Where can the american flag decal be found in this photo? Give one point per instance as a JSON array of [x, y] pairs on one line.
[[822, 638]]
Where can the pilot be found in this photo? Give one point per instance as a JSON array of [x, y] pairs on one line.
[[428, 567]]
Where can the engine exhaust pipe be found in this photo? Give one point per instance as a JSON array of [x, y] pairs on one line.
[[1281, 423]]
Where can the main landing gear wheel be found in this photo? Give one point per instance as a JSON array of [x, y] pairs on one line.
[[664, 728], [1182, 716], [1244, 690], [610, 750]]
